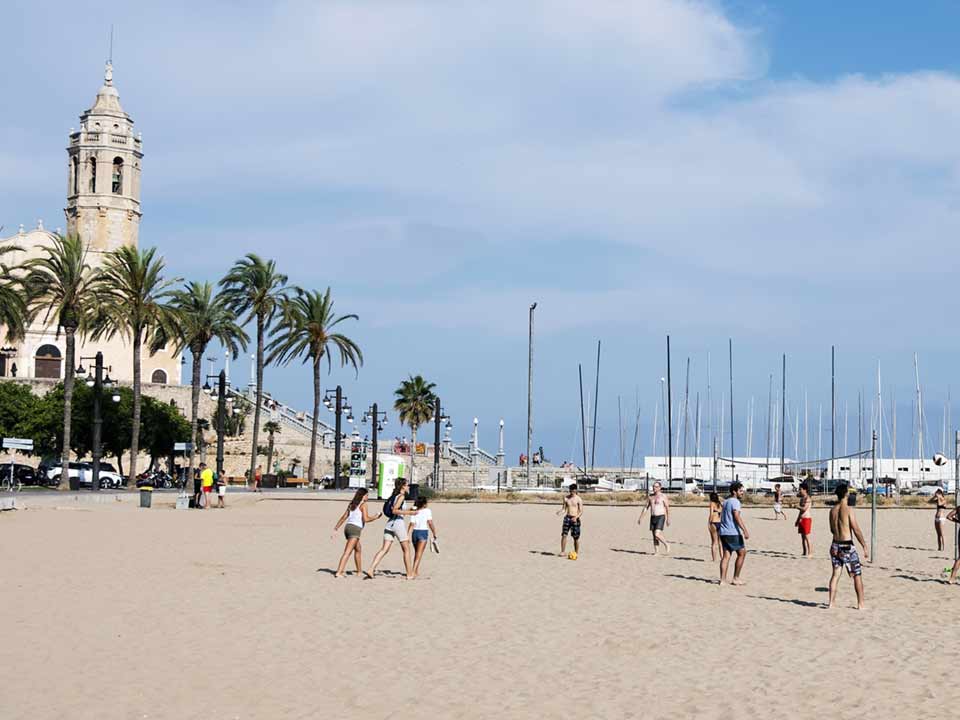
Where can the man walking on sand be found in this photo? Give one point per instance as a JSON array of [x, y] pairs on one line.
[[843, 554], [572, 510], [804, 521], [778, 503], [659, 507], [733, 532]]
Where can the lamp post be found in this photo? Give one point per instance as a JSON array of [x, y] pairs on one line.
[[338, 405], [439, 416], [221, 395], [377, 420], [97, 382], [530, 392]]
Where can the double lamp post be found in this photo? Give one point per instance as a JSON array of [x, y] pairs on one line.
[[97, 382]]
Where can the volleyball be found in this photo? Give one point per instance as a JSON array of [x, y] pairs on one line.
[[939, 459], [572, 555]]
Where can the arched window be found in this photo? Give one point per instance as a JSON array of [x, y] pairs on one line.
[[75, 174], [117, 184], [48, 361], [159, 377], [92, 162]]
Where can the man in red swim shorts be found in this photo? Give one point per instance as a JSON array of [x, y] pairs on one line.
[[805, 518]]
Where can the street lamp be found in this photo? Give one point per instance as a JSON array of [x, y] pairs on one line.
[[97, 382], [220, 393], [377, 420], [338, 405], [439, 416]]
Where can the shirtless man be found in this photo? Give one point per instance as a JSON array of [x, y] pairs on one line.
[[572, 510], [804, 518], [778, 503], [659, 508], [843, 554]]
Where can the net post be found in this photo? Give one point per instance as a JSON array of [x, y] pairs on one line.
[[873, 501], [956, 495]]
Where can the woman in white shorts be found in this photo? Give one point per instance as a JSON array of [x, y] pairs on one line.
[[221, 493], [395, 529]]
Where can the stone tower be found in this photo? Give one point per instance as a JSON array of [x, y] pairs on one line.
[[103, 186]]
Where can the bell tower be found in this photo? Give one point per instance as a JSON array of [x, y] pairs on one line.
[[103, 185]]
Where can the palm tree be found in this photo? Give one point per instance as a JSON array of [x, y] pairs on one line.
[[133, 303], [308, 333], [200, 317], [13, 308], [414, 402], [255, 290], [271, 428], [61, 286]]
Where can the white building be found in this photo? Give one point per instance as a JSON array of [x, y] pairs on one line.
[[754, 471]]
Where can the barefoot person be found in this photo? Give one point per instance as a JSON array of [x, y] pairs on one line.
[[355, 517], [421, 526], [804, 521], [395, 529], [713, 525], [659, 508], [778, 503], [954, 517], [733, 532], [940, 516], [572, 510], [843, 554]]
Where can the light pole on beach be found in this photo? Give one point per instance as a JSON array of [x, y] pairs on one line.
[[377, 420], [439, 416], [530, 392], [338, 405], [97, 382]]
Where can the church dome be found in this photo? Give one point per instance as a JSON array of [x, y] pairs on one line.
[[108, 99]]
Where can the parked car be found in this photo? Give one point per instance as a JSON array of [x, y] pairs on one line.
[[22, 475], [928, 490], [53, 471], [109, 477]]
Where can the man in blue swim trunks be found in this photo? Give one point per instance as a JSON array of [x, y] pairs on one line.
[[733, 532]]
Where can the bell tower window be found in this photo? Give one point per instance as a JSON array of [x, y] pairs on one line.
[[75, 172], [92, 162], [117, 182]]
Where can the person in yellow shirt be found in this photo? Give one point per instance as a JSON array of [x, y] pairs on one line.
[[206, 484]]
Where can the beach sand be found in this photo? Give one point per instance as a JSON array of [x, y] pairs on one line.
[[110, 611]]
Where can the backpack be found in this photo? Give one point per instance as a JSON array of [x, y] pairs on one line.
[[388, 508]]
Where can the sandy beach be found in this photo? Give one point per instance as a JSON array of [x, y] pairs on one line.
[[116, 612]]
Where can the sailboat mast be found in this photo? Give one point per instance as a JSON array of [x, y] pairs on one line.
[[769, 417], [669, 419], [733, 463], [583, 420], [596, 404]]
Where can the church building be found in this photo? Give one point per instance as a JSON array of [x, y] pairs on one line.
[[103, 207]]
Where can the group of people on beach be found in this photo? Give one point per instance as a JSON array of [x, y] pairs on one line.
[[729, 534], [417, 535]]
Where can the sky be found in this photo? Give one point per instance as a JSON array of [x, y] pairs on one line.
[[781, 174]]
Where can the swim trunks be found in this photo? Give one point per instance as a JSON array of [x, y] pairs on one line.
[[656, 522], [844, 554], [571, 526], [778, 507], [732, 543], [805, 526]]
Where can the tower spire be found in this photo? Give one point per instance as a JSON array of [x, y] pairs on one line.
[[108, 70]]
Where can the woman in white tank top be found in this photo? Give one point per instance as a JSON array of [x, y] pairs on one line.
[[352, 521]]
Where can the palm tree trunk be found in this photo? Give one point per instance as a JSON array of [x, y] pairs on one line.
[[270, 454], [413, 453], [316, 420], [70, 333], [194, 409], [135, 438], [256, 410]]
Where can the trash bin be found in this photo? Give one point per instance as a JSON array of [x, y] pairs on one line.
[[852, 499], [146, 496], [74, 481], [414, 493]]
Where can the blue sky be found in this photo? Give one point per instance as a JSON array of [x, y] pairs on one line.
[[782, 173]]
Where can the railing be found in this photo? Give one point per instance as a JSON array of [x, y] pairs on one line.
[[119, 140]]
